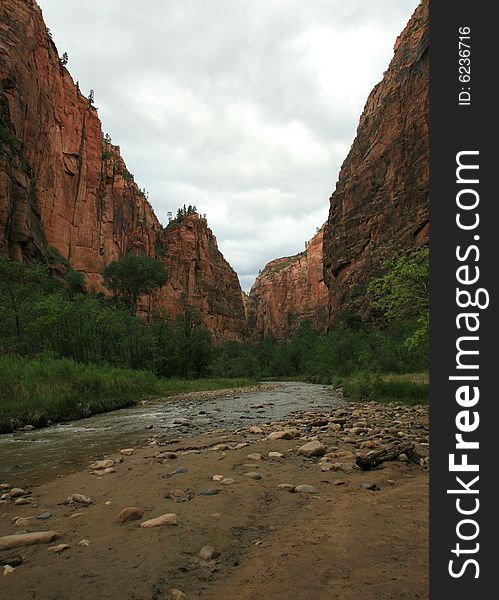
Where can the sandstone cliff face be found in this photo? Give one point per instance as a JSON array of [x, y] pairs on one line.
[[200, 276], [63, 185], [381, 198], [288, 291]]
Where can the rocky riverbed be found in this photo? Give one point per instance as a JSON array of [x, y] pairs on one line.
[[274, 509]]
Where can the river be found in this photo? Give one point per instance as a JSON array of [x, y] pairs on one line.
[[33, 456]]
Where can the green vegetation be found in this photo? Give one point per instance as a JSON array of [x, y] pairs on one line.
[[65, 353], [38, 391], [370, 361], [386, 389], [402, 294], [181, 214], [132, 276]]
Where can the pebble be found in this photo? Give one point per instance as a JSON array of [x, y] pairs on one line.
[[78, 499], [7, 570], [314, 448], [368, 444], [254, 475], [174, 594], [288, 487], [339, 482], [4, 486], [167, 519], [21, 501], [280, 435], [179, 470], [43, 516], [218, 477], [220, 447], [241, 446], [275, 455], [255, 456], [210, 492], [22, 522], [16, 492], [255, 429], [169, 455], [131, 513], [127, 451], [84, 543], [59, 549], [227, 481], [306, 489], [102, 464], [403, 458], [208, 553], [370, 486]]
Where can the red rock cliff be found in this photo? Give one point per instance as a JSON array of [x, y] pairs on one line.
[[288, 291], [200, 276], [381, 198], [63, 185]]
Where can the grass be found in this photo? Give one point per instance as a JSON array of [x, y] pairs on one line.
[[37, 391], [407, 388]]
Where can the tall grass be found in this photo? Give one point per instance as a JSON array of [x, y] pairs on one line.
[[37, 391], [407, 389]]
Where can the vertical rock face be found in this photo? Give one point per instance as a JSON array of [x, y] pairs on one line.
[[200, 276], [381, 198], [63, 185], [288, 291]]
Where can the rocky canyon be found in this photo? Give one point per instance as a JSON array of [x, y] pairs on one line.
[[65, 186], [379, 207], [380, 204], [288, 291]]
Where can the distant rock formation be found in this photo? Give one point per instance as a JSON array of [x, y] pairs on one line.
[[287, 291]]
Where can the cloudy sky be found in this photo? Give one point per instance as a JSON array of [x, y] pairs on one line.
[[245, 108]]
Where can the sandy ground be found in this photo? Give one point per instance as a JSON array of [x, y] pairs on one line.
[[345, 542]]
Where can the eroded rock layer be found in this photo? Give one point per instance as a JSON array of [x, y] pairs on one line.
[[288, 291], [381, 199], [63, 185]]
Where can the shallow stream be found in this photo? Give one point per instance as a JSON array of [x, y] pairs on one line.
[[32, 456]]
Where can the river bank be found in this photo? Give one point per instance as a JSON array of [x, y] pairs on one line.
[[36, 392], [245, 528]]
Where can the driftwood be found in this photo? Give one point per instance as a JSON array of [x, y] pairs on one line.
[[377, 457], [14, 560], [27, 539]]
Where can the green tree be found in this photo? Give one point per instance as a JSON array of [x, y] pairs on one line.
[[402, 294], [192, 342], [20, 284], [132, 276]]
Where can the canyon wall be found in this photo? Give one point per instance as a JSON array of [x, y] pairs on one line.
[[288, 291], [380, 204], [63, 186]]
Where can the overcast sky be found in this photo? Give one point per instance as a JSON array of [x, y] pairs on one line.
[[245, 108]]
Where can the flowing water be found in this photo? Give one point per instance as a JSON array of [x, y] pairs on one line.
[[30, 456]]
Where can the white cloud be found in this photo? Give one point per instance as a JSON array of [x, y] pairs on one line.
[[246, 108]]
